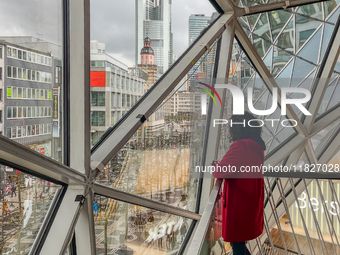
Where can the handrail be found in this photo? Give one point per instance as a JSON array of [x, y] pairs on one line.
[[203, 225]]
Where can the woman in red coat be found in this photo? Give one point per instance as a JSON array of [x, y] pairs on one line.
[[243, 192]]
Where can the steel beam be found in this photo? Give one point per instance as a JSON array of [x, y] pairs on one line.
[[264, 73], [325, 120], [16, 155], [151, 100], [226, 5], [280, 5], [145, 202], [324, 75], [211, 143], [80, 124], [331, 150], [202, 228], [63, 225]]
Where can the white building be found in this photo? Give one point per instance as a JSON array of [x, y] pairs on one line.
[[114, 90]]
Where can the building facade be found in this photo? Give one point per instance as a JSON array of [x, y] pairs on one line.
[[153, 19], [197, 23], [28, 79], [114, 90]]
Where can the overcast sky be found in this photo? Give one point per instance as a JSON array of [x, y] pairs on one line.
[[113, 22]]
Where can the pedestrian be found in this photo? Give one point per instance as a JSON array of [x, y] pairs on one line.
[[243, 193], [14, 190]]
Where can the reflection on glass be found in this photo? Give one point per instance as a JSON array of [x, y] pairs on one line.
[[277, 20], [262, 40], [32, 57], [123, 228], [158, 161], [317, 194], [25, 200], [213, 244]]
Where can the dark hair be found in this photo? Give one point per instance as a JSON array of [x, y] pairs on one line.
[[239, 131]]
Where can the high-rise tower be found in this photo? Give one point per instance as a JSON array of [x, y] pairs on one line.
[[197, 22], [153, 20]]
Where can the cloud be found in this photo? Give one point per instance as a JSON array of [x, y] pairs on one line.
[[113, 23]]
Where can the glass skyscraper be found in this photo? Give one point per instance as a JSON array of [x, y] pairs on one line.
[[153, 19], [197, 22]]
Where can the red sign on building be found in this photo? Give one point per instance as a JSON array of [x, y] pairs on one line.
[[97, 79]]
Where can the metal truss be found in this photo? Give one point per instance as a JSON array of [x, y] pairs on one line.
[[75, 213]]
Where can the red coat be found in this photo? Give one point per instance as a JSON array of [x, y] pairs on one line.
[[243, 198]]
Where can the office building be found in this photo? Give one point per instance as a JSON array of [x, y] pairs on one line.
[[114, 90], [30, 80], [153, 20], [197, 23]]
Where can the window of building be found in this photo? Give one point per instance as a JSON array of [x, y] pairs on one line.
[[19, 73], [119, 100], [8, 132], [0, 52], [123, 82], [97, 98], [113, 118], [24, 93], [19, 132], [113, 100], [24, 74], [0, 73], [14, 132], [24, 55], [23, 131], [9, 71], [20, 112], [123, 100], [0, 95], [19, 54], [97, 118], [19, 92], [127, 83], [0, 116], [118, 81], [9, 112], [15, 92]]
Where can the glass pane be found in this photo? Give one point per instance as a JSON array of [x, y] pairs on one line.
[[30, 31], [322, 139], [275, 128], [213, 242], [25, 201], [123, 228], [159, 160], [126, 63], [310, 203]]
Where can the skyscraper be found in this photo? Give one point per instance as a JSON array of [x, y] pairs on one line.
[[197, 22], [153, 20]]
